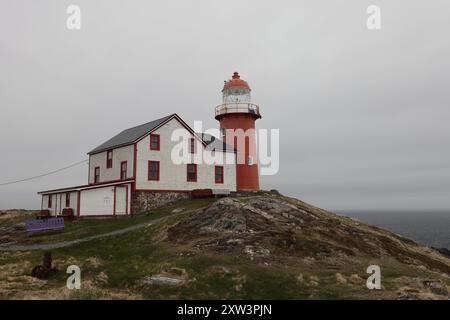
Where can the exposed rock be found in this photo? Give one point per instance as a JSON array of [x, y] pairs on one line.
[[407, 293], [102, 278], [355, 279], [241, 280], [163, 279], [173, 276], [259, 252], [93, 262], [266, 226], [223, 216], [436, 287], [443, 251], [340, 278], [225, 270], [235, 241]]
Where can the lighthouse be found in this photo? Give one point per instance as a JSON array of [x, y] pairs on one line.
[[237, 116]]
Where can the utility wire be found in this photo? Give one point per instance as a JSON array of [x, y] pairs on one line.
[[44, 174]]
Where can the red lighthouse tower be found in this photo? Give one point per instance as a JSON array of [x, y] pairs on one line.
[[237, 114]]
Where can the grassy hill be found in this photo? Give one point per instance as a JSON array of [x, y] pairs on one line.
[[256, 246]]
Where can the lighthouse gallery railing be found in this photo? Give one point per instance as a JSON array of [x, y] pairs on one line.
[[237, 108]]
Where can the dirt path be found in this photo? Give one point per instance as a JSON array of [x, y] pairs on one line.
[[57, 245]]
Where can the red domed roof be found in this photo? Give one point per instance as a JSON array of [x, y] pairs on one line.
[[236, 81]]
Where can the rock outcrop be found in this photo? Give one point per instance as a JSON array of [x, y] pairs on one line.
[[273, 227]]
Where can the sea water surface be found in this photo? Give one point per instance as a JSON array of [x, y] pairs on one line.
[[431, 228]]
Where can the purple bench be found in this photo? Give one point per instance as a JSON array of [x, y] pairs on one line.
[[33, 225]]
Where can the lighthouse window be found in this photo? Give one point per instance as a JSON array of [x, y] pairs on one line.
[[153, 170], [219, 174], [192, 172], [109, 159], [154, 142]]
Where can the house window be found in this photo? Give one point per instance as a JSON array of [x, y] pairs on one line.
[[123, 170], [192, 145], [154, 142], [49, 201], [97, 175], [153, 170], [192, 172], [109, 159], [67, 199], [218, 173]]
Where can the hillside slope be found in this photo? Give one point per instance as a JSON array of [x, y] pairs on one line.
[[253, 246], [271, 229], [279, 228]]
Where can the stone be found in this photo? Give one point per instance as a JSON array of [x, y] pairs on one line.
[[163, 279], [340, 278], [355, 279], [436, 287], [102, 278], [147, 201], [407, 293]]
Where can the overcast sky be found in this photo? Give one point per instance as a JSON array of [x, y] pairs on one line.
[[363, 115]]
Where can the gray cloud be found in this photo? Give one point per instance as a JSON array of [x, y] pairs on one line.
[[363, 114]]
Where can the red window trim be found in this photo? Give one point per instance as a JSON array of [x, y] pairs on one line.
[[49, 201], [121, 171], [148, 173], [67, 199], [108, 164], [78, 203], [187, 172], [95, 175], [215, 174], [158, 148]]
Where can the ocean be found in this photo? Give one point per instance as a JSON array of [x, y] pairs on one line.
[[431, 228]]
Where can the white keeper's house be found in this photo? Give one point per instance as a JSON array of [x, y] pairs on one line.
[[134, 171]]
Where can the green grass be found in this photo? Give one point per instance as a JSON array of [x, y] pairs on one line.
[[15, 216], [86, 227], [128, 258]]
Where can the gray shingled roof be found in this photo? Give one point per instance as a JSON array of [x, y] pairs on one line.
[[129, 136], [214, 143]]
